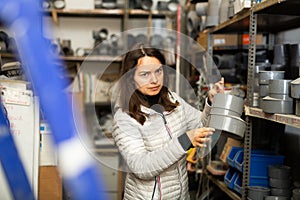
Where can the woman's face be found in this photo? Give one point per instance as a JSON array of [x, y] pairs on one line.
[[149, 75]]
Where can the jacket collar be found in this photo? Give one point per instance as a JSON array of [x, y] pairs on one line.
[[150, 111]]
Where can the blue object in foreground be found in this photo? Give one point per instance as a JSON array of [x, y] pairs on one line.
[[11, 163], [79, 171]]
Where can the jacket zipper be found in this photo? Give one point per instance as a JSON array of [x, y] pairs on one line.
[[177, 167]]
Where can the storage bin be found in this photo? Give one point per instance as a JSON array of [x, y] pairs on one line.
[[260, 160], [254, 181], [259, 181], [230, 177], [238, 183], [231, 156], [239, 160]]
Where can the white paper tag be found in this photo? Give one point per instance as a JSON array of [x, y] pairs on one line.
[[16, 96]]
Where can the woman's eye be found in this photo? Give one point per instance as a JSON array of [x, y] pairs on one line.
[[144, 74], [159, 71]]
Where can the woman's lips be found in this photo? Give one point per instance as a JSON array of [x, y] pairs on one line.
[[154, 88]]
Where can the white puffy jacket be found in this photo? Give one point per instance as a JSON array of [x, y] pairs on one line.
[[152, 152]]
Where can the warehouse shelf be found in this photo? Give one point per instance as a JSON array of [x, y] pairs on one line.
[[93, 58], [224, 187], [90, 58], [154, 13], [7, 55], [291, 120], [283, 13], [86, 12], [268, 17], [106, 13], [238, 24], [237, 47]]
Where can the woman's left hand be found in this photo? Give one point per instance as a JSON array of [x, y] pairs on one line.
[[218, 88]]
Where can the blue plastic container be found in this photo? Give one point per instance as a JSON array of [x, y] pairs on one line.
[[231, 156], [254, 181], [259, 181], [230, 177], [238, 183], [239, 160], [260, 160]]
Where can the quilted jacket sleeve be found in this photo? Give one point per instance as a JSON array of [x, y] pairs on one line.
[[143, 163]]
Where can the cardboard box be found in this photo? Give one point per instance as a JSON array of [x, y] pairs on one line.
[[227, 148], [202, 40], [50, 183], [246, 39], [221, 40], [228, 40]]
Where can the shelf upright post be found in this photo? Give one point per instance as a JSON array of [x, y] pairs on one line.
[[210, 43], [209, 60], [250, 88], [124, 25], [126, 16]]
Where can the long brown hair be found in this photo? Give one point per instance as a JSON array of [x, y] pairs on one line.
[[130, 98]]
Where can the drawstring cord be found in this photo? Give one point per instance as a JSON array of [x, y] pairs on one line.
[[160, 188], [154, 188]]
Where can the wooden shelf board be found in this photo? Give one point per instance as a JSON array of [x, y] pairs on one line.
[[238, 24], [224, 188], [291, 120], [107, 12], [92, 58], [145, 13], [86, 12]]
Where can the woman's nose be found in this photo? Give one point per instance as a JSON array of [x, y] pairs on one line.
[[153, 78]]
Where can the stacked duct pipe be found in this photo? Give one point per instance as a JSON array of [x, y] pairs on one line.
[[141, 4], [225, 115], [212, 18], [280, 60], [295, 93], [227, 65], [170, 5], [201, 8], [294, 58], [223, 11], [287, 57], [258, 68], [225, 118], [280, 181], [278, 99], [264, 77]]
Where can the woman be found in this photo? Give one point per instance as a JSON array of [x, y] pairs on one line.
[[154, 128]]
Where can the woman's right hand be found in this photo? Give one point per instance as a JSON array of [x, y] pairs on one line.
[[199, 136]]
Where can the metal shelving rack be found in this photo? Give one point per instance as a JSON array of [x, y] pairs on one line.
[[269, 16], [291, 120], [250, 91], [123, 13]]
